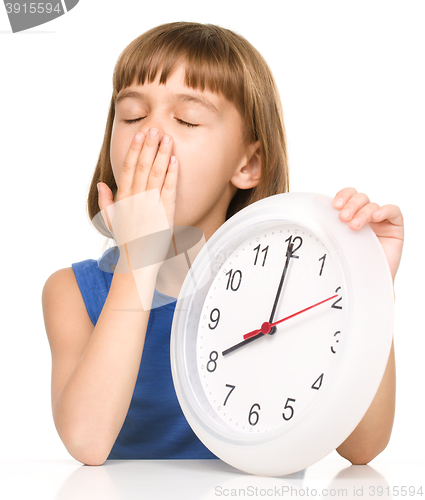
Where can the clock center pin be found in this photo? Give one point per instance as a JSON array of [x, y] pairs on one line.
[[265, 327]]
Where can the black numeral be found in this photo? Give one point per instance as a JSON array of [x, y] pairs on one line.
[[214, 320], [318, 383], [232, 277], [212, 363], [288, 407], [334, 305], [336, 341], [258, 251], [290, 241], [323, 263], [232, 387], [253, 414]]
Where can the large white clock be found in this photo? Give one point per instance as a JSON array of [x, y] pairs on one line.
[[279, 344]]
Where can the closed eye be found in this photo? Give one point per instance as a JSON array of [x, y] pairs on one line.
[[178, 120], [186, 124]]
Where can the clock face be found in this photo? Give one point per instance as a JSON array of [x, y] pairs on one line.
[[266, 382]]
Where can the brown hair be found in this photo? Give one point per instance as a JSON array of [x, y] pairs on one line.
[[221, 61]]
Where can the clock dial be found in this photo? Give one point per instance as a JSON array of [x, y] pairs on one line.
[[254, 381]]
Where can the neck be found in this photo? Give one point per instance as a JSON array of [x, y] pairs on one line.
[[174, 270], [187, 242]]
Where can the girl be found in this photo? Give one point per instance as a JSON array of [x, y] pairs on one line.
[[194, 134]]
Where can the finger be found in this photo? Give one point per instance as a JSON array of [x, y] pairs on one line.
[[147, 156], [353, 205], [363, 216], [105, 199], [169, 189], [154, 178], [392, 213], [342, 197], [129, 165]]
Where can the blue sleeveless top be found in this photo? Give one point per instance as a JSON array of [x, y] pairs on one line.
[[155, 426]]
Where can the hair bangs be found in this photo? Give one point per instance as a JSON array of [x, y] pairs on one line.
[[209, 64]]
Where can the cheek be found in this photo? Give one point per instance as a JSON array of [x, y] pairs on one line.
[[204, 160], [204, 173], [198, 168]]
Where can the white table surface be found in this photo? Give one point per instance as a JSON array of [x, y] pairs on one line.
[[205, 479]]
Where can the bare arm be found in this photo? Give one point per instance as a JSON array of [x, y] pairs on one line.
[[373, 433], [90, 400]]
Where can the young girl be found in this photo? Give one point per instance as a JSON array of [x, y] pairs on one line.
[[194, 134]]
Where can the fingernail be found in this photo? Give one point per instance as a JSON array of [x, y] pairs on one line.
[[153, 132], [173, 164], [339, 203], [98, 189], [166, 139], [139, 137], [346, 214], [356, 222], [377, 214]]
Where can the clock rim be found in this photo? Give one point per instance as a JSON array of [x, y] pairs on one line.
[[253, 455]]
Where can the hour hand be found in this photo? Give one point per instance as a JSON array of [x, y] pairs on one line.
[[266, 328], [249, 337], [242, 343]]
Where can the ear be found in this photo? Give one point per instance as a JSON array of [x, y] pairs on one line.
[[248, 173]]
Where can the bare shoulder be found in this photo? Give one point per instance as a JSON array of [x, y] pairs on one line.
[[68, 325], [61, 280], [62, 299]]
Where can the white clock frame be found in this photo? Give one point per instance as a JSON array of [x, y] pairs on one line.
[[368, 327]]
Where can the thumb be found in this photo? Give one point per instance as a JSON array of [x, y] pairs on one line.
[[106, 199]]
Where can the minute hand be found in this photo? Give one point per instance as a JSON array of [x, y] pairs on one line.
[[266, 326], [289, 251]]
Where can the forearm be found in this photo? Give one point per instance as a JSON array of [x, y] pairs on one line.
[[94, 403], [372, 434]]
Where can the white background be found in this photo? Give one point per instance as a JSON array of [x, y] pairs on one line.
[[351, 78]]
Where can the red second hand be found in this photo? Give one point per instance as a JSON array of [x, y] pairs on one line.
[[266, 326]]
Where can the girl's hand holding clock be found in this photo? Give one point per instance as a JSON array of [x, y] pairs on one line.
[[386, 221], [142, 217]]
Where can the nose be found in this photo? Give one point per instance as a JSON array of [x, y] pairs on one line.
[[147, 128], [153, 122], [159, 118]]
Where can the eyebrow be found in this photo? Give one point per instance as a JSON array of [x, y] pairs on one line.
[[195, 98]]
